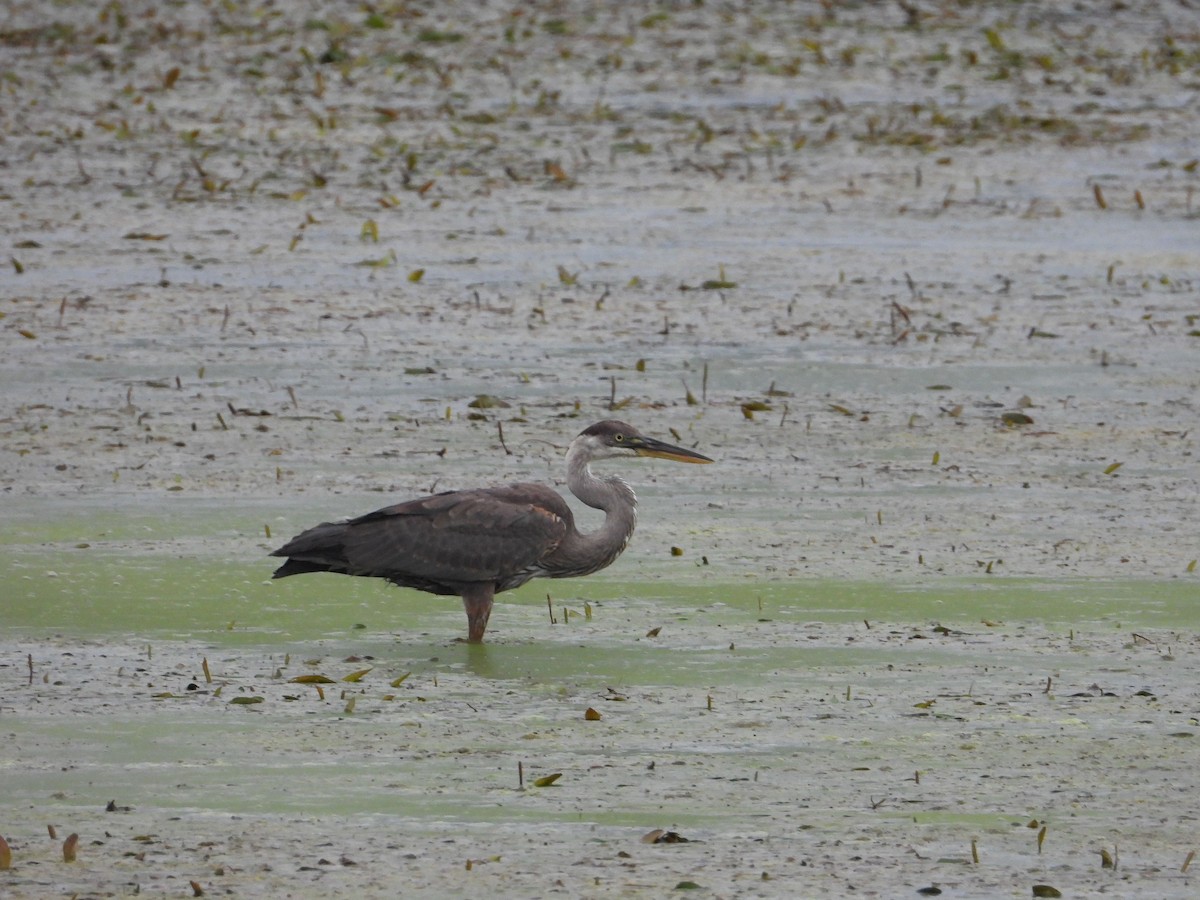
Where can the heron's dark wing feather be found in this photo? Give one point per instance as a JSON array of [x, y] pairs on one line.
[[446, 540]]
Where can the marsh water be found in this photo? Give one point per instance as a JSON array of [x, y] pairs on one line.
[[921, 280]]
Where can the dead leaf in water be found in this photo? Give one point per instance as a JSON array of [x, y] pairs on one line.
[[1015, 419], [547, 780], [488, 401], [662, 836], [381, 262], [357, 676], [5, 854], [70, 845], [591, 715], [749, 409], [246, 701]]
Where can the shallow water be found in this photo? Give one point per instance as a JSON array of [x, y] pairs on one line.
[[887, 624]]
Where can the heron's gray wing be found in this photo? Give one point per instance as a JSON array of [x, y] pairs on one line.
[[458, 537]]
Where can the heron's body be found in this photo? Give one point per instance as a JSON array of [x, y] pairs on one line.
[[476, 543]]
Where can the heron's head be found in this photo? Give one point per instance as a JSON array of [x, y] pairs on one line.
[[612, 438]]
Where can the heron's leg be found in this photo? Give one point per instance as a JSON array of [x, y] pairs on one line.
[[478, 602]]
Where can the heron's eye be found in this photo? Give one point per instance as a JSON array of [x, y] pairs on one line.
[[618, 438]]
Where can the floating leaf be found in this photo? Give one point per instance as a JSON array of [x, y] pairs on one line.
[[717, 284], [370, 231], [488, 401], [171, 77], [838, 408], [311, 679], [591, 715], [381, 263], [416, 275], [144, 236], [547, 780], [27, 334], [1015, 419], [687, 886], [396, 682], [677, 551], [70, 845], [936, 457], [1045, 890], [5, 854], [357, 676], [653, 632], [246, 701], [1112, 467], [1191, 567]]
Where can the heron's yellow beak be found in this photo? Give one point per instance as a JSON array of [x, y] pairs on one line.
[[645, 446]]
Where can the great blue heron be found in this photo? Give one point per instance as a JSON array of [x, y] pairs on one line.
[[478, 542]]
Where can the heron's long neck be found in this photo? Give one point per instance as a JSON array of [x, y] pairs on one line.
[[598, 548]]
